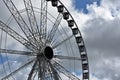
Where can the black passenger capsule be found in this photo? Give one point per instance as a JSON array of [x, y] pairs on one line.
[[71, 23], [83, 56], [66, 15], [79, 39], [85, 75], [54, 3], [60, 8], [75, 31], [85, 66], [82, 48]]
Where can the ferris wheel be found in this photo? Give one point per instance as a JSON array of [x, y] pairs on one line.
[[40, 40]]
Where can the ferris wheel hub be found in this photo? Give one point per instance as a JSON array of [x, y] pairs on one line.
[[48, 52]]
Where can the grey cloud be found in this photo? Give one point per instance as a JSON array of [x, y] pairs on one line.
[[103, 35], [108, 68], [102, 38], [3, 11]]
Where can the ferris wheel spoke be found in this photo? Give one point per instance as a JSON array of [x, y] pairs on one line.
[[54, 72], [67, 57], [20, 68], [20, 21], [48, 71], [16, 52], [43, 19], [31, 15], [42, 68], [54, 28], [16, 36], [60, 43], [30, 76], [32, 19], [64, 71]]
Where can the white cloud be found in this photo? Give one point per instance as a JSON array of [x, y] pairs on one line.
[[99, 11], [102, 39]]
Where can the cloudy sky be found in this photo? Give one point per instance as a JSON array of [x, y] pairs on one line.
[[99, 23]]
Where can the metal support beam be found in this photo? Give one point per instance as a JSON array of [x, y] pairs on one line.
[[20, 21], [20, 68], [54, 28], [43, 19], [32, 20], [62, 70], [16, 36], [30, 76], [16, 52], [41, 69], [67, 57], [54, 72], [65, 40]]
